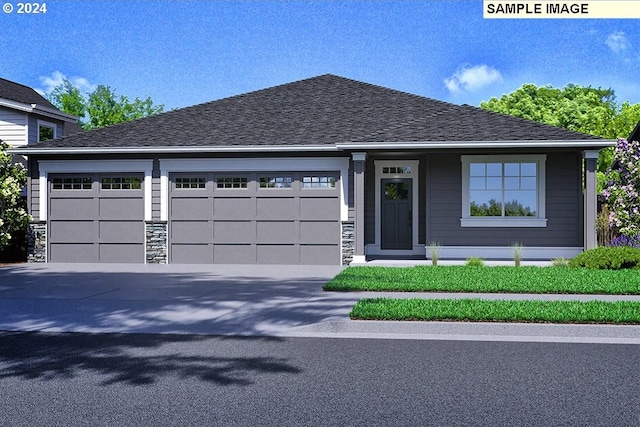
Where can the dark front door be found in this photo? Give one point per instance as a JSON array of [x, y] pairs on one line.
[[396, 214]]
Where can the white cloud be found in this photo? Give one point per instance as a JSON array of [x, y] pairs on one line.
[[472, 78], [617, 41], [56, 78]]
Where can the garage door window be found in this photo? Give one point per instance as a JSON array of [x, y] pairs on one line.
[[121, 183], [76, 183], [185, 183], [318, 182], [276, 182], [232, 182]]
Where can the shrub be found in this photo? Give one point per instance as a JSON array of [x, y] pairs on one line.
[[622, 240], [518, 251], [609, 258], [475, 262], [434, 248], [560, 262]]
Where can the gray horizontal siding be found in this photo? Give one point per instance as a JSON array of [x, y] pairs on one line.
[[13, 127], [563, 207]]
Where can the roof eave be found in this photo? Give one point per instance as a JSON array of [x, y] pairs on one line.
[[39, 109], [171, 150], [432, 145], [584, 144]]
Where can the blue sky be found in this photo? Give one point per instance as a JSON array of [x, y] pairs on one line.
[[186, 52]]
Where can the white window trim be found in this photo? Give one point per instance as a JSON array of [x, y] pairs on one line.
[[540, 221], [277, 164], [92, 166], [375, 249], [42, 123]]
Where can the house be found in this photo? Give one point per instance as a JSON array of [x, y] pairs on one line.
[[26, 117], [325, 170]]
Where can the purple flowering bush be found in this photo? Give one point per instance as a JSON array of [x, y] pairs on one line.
[[622, 192], [623, 240]]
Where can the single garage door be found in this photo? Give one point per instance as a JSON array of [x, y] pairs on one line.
[[248, 218], [96, 218]]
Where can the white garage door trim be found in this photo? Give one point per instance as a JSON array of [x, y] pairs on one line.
[[92, 166], [254, 165]]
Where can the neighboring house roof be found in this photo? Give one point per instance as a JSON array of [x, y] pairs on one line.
[[23, 98], [323, 112], [21, 93]]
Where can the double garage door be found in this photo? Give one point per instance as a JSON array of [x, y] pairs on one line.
[[222, 218], [248, 218]]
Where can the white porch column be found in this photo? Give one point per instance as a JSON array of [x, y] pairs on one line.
[[590, 199], [358, 202]]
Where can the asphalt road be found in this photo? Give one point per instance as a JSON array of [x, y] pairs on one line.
[[176, 380]]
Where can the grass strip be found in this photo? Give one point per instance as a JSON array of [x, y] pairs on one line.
[[536, 280], [478, 310]]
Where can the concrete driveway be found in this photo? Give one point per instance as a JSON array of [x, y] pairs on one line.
[[240, 300], [199, 299]]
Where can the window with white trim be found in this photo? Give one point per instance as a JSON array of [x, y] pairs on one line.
[[503, 191], [46, 131]]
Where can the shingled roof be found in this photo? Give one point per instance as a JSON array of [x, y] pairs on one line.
[[16, 92], [322, 111]]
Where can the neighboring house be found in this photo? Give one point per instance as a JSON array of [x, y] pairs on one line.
[[320, 171], [27, 118]]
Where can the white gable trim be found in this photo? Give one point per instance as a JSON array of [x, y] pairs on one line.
[[39, 109]]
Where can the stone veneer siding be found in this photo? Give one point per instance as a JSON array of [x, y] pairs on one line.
[[37, 242], [348, 243], [156, 242]]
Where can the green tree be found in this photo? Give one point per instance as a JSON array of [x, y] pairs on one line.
[[68, 98], [13, 215], [582, 109], [102, 107], [105, 108]]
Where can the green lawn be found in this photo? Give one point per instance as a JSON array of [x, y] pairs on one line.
[[539, 280], [477, 310]]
